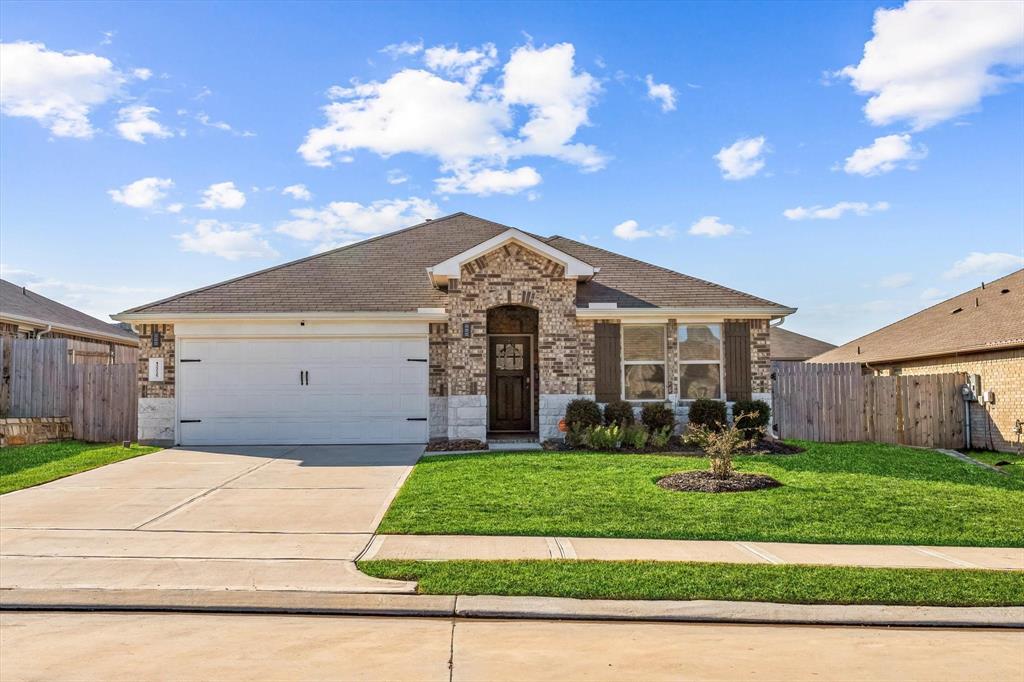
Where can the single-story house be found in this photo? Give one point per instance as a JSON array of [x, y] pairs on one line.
[[24, 314], [980, 332], [458, 327], [788, 346]]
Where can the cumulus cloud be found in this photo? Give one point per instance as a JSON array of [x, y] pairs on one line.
[[300, 192], [711, 226], [135, 122], [885, 154], [468, 66], [630, 231], [222, 195], [663, 93], [897, 280], [343, 222], [488, 181], [143, 193], [232, 242], [931, 61], [743, 158], [404, 49], [835, 211], [57, 89], [448, 113], [984, 265]]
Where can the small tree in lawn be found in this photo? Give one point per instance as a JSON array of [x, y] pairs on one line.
[[722, 442]]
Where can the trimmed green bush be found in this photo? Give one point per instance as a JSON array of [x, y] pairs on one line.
[[752, 425], [657, 416], [708, 412], [659, 439], [619, 412], [604, 437], [581, 414], [635, 436]]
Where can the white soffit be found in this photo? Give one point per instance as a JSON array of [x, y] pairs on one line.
[[452, 268]]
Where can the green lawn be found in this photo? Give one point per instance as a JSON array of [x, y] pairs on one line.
[[1015, 469], [23, 466], [832, 493], [735, 582]]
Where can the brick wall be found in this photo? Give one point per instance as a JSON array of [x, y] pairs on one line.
[[1002, 372], [156, 389], [438, 341]]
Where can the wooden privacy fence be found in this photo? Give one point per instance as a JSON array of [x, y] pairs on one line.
[[836, 402], [43, 381]]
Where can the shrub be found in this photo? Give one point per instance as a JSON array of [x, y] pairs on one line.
[[604, 437], [635, 436], [754, 417], [576, 438], [582, 414], [720, 442], [709, 413], [659, 439], [619, 412], [657, 416]]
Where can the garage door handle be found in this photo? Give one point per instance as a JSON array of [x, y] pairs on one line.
[[415, 359], [415, 419], [190, 421]]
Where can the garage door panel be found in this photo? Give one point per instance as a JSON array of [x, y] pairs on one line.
[[248, 391]]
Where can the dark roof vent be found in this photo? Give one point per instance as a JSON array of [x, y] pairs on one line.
[[958, 310], [1005, 291]]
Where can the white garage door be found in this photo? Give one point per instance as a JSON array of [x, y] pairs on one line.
[[249, 391]]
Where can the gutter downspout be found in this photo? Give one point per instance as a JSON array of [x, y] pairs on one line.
[[49, 328]]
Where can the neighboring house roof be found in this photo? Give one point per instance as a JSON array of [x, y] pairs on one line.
[[19, 305], [389, 274], [990, 317], [787, 345]]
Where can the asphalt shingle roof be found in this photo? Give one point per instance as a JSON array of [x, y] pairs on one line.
[[25, 304], [985, 318], [787, 345], [389, 274]]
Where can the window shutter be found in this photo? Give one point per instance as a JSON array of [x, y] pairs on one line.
[[607, 361], [737, 360]]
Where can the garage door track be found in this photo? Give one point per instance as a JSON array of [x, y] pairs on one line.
[[235, 518]]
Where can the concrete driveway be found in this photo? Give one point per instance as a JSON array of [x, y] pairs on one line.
[[237, 518]]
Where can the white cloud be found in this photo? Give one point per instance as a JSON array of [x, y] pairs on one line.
[[405, 49], [743, 158], [933, 295], [175, 208], [222, 195], [344, 222], [897, 280], [134, 123], [661, 92], [468, 66], [233, 242], [57, 89], [203, 118], [984, 265], [835, 211], [931, 61], [142, 74], [468, 126], [488, 181], [300, 192], [396, 177], [711, 226], [885, 154], [630, 231], [143, 193]]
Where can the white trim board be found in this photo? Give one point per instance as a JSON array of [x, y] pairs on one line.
[[452, 268]]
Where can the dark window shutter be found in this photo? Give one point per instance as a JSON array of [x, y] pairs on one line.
[[737, 361], [607, 359]]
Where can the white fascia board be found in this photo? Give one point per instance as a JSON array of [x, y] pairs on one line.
[[66, 329], [427, 315], [683, 314], [452, 268]]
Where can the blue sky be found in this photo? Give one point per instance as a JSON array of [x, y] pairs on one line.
[[146, 147]]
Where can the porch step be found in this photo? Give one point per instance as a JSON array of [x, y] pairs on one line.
[[513, 445]]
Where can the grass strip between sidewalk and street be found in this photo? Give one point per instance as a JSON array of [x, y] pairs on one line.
[[655, 580], [23, 466]]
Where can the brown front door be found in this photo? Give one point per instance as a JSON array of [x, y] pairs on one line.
[[509, 369]]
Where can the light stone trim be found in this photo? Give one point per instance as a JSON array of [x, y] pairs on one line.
[[552, 411], [438, 417], [156, 420], [467, 417]]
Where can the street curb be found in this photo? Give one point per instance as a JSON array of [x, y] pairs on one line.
[[513, 608]]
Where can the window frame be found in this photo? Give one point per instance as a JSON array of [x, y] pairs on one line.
[[663, 362], [720, 361]]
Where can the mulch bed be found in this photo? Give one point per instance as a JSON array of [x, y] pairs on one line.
[[705, 482], [459, 445], [676, 446], [770, 446]]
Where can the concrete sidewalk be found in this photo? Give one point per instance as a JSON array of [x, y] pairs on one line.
[[449, 547]]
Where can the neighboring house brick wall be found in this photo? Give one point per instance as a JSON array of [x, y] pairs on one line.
[[156, 398], [1002, 372]]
